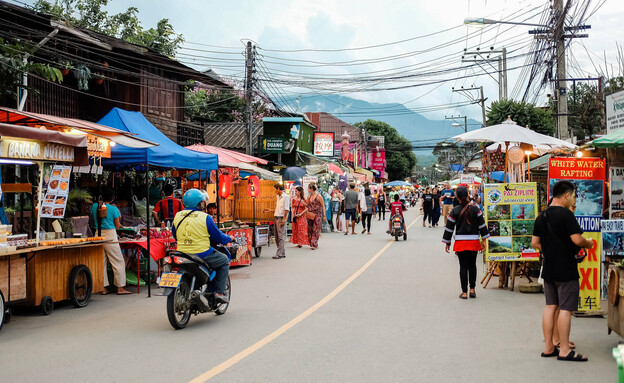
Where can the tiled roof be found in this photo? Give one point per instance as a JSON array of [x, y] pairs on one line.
[[229, 135], [331, 124]]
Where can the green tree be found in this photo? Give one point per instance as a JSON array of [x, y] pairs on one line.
[[586, 110], [538, 119], [400, 159], [126, 25], [209, 105]]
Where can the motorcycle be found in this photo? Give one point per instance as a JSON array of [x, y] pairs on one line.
[[187, 281], [413, 201], [397, 228]]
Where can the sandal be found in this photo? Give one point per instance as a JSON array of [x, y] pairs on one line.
[[554, 353], [463, 296], [279, 256], [573, 357], [472, 294]]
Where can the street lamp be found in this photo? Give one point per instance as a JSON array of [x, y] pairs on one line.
[[484, 21]]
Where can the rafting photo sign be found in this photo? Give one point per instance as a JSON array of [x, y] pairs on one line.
[[588, 176], [510, 211]]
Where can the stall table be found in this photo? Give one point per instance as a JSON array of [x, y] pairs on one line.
[[158, 250]]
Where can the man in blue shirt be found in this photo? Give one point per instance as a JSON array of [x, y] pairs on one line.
[[446, 200], [112, 251], [195, 231]]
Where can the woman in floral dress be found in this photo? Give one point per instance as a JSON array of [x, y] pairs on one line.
[[316, 205], [299, 208]]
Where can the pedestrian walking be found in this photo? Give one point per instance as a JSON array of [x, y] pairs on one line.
[[370, 211], [315, 215], [112, 252], [468, 223], [381, 205], [427, 206], [446, 199], [351, 208], [336, 208], [559, 236], [435, 214], [282, 208], [299, 208]]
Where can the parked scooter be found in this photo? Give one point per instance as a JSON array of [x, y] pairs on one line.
[[187, 281], [396, 228]]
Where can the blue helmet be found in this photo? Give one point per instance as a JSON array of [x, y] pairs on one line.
[[192, 198]]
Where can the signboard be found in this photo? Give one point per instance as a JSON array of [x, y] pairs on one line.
[[467, 179], [510, 211], [35, 150], [307, 180], [98, 147], [242, 237], [323, 144], [271, 145], [612, 236], [378, 160], [616, 210], [614, 111], [588, 175], [55, 200]]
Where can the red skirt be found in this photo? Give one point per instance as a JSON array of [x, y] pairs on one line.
[[470, 245]]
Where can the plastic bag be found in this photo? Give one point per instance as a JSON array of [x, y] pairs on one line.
[[139, 207]]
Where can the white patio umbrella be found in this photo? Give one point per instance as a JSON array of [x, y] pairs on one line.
[[510, 132]]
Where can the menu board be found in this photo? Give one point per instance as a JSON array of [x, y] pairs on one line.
[[55, 200], [510, 211]]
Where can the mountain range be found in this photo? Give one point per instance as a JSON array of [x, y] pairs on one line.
[[424, 133]]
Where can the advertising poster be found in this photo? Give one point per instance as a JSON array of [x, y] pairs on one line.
[[242, 237], [324, 144], [378, 160], [588, 175], [510, 211], [306, 181], [55, 200], [616, 210], [614, 103], [612, 235]]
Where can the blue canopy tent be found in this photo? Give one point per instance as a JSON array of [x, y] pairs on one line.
[[397, 183], [167, 155]]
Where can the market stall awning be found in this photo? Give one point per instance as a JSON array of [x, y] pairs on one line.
[[227, 156], [249, 168], [613, 140], [335, 168], [31, 119], [167, 155], [397, 183]]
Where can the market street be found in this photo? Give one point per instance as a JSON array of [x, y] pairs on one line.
[[400, 320]]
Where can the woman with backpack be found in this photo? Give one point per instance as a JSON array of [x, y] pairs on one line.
[[466, 220]]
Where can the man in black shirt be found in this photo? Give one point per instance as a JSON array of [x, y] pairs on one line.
[[558, 235]]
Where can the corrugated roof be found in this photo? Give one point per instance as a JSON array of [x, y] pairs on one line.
[[331, 124], [230, 135]]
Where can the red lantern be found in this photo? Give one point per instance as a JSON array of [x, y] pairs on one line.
[[224, 185], [253, 186]]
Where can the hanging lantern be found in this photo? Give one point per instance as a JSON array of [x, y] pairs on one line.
[[253, 186], [224, 185]]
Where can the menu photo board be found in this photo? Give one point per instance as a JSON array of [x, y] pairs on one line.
[[55, 200], [510, 211]]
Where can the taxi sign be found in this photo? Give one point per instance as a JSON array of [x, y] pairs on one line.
[[170, 280]]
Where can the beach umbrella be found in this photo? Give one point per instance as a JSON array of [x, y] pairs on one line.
[[293, 173]]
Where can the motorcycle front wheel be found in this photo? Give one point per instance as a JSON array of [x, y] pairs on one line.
[[179, 305], [222, 308]]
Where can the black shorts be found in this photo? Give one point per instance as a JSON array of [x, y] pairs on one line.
[[562, 294], [350, 214]]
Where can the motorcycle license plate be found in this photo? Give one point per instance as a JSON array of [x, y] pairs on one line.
[[397, 225], [170, 280]]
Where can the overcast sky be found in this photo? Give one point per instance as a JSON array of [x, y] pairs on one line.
[[221, 26]]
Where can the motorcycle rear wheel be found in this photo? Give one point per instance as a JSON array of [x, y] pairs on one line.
[[179, 305], [222, 308]]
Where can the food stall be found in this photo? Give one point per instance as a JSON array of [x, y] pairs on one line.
[[40, 268]]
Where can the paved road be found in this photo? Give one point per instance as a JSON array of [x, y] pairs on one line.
[[399, 321]]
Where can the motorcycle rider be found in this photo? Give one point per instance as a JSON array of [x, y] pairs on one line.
[[397, 208], [194, 230]]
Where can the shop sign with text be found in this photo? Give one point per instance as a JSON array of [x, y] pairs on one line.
[[323, 144], [271, 145], [35, 150]]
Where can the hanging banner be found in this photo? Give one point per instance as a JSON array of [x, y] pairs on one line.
[[616, 198], [323, 144], [588, 176], [510, 215], [378, 160]]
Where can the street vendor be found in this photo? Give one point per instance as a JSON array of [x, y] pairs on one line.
[[112, 252], [195, 231], [211, 209], [168, 207]]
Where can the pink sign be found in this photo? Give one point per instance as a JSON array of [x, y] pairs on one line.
[[378, 160]]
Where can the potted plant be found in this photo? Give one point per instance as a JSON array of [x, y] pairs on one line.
[[75, 198], [98, 77], [83, 75], [65, 65]]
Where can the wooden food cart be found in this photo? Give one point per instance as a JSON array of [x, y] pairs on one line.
[[12, 283]]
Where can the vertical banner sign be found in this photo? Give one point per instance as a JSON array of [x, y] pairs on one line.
[[510, 211], [616, 210], [612, 233], [378, 160], [588, 175], [324, 144]]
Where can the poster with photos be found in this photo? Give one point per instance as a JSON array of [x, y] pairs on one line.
[[55, 200]]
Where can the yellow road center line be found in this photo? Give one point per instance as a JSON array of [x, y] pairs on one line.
[[292, 323]]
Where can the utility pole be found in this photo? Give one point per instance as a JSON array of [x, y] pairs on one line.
[[250, 61], [562, 98], [502, 67], [455, 117], [481, 100]]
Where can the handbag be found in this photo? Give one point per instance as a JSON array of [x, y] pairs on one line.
[[311, 216], [294, 217]]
